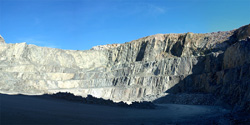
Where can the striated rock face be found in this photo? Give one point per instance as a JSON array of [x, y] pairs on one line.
[[143, 69]]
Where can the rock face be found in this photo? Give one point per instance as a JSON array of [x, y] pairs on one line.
[[143, 69]]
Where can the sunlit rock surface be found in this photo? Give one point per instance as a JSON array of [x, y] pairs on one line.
[[141, 70]]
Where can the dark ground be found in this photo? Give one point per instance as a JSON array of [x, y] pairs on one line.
[[20, 109]]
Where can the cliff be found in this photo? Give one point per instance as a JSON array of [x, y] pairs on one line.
[[144, 69]]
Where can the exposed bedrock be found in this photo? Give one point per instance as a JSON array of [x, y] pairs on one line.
[[143, 69]]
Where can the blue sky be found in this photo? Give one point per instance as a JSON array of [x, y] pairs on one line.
[[81, 24]]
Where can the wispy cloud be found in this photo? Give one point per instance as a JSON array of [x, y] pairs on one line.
[[148, 9], [37, 21], [156, 9]]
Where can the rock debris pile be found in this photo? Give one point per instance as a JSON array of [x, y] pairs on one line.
[[93, 100]]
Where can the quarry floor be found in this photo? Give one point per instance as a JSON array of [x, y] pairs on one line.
[[20, 109]]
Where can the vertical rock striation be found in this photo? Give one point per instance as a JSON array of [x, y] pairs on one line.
[[143, 69]]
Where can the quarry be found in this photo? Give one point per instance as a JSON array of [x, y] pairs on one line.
[[173, 71]]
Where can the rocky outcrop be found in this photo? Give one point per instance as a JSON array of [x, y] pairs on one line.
[[2, 40], [143, 69], [105, 47]]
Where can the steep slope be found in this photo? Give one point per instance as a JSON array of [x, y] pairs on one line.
[[143, 69]]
